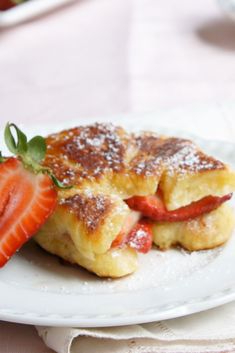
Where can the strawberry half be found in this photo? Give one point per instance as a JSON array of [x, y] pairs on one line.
[[153, 207], [27, 200], [27, 192]]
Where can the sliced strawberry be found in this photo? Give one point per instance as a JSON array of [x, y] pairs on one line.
[[154, 208], [129, 223], [26, 201], [141, 237]]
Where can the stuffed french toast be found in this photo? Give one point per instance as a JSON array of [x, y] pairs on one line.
[[97, 195], [130, 191]]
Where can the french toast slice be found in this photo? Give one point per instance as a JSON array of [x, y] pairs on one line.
[[204, 232], [98, 157], [185, 173], [63, 233], [82, 230], [105, 157], [106, 166], [191, 175]]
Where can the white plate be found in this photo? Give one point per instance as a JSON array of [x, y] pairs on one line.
[[28, 10], [37, 289]]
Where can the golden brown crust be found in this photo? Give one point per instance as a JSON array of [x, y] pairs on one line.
[[86, 152], [106, 159], [89, 209], [171, 154], [93, 151]]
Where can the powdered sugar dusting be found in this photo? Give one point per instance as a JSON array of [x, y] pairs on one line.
[[89, 152], [90, 209], [157, 269], [96, 148], [172, 155], [139, 236], [86, 152], [189, 159]]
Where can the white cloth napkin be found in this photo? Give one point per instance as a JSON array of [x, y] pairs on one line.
[[209, 331]]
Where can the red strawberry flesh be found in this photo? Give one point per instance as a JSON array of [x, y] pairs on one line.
[[153, 207], [27, 200], [140, 237], [6, 4], [129, 223]]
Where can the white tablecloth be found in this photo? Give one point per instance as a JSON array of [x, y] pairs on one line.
[[100, 57]]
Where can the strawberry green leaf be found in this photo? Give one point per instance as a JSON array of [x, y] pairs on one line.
[[18, 146], [37, 149], [2, 159], [9, 139], [22, 140]]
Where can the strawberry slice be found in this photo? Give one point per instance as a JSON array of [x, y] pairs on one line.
[[154, 208], [141, 237], [27, 200], [130, 222]]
